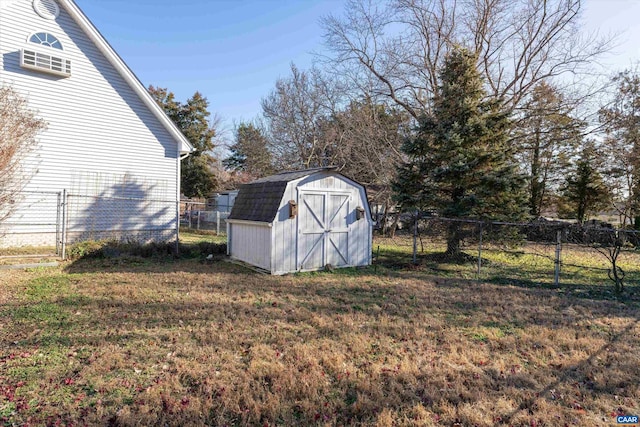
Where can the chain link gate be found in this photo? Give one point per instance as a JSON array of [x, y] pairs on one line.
[[35, 222]]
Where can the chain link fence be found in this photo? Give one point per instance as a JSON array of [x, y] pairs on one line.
[[49, 221], [197, 216], [34, 220], [129, 219], [541, 252]]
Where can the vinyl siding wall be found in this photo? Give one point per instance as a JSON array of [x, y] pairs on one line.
[[101, 139], [250, 243], [285, 234]]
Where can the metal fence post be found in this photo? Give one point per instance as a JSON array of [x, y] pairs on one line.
[[415, 240], [218, 223], [556, 276], [58, 225], [178, 226], [480, 250], [65, 211], [198, 223]]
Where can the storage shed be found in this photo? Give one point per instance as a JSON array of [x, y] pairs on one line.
[[301, 221]]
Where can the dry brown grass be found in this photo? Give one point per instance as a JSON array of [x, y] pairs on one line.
[[126, 342]]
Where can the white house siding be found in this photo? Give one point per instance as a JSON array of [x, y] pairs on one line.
[[250, 243], [101, 139], [286, 231]]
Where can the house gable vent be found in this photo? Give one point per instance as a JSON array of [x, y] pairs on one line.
[[47, 63], [48, 9]]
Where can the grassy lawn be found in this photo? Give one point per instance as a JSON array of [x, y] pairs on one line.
[[529, 263], [195, 236], [132, 341]]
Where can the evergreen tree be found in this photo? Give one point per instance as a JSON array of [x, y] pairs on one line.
[[192, 118], [546, 138], [250, 153], [459, 163], [585, 192]]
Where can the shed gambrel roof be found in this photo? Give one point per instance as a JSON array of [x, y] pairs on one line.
[[259, 200], [110, 54]]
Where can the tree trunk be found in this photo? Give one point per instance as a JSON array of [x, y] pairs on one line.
[[394, 226], [534, 186], [453, 240], [616, 274]]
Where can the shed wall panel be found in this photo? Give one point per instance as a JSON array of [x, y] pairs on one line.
[[325, 181], [360, 247], [285, 234], [251, 243]]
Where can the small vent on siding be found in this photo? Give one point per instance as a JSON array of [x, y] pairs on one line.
[[39, 61], [48, 9]]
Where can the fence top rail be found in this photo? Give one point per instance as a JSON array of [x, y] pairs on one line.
[[137, 199], [549, 224], [50, 193], [475, 221], [213, 211]]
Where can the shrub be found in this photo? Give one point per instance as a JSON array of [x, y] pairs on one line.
[[113, 249]]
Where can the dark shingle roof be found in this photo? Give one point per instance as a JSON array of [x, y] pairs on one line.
[[291, 175], [259, 200]]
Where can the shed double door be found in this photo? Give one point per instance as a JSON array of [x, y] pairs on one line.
[[323, 230]]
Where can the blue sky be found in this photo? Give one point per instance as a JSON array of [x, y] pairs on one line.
[[618, 17], [233, 51]]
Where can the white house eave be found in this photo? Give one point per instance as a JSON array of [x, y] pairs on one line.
[[185, 148], [85, 24]]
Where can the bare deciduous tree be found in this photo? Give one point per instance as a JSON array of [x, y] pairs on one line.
[[312, 122], [401, 44], [621, 120], [19, 127], [367, 139], [295, 112], [609, 243]]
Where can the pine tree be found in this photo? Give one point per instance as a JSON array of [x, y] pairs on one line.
[[250, 153], [192, 118], [460, 164], [585, 192], [546, 137]]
